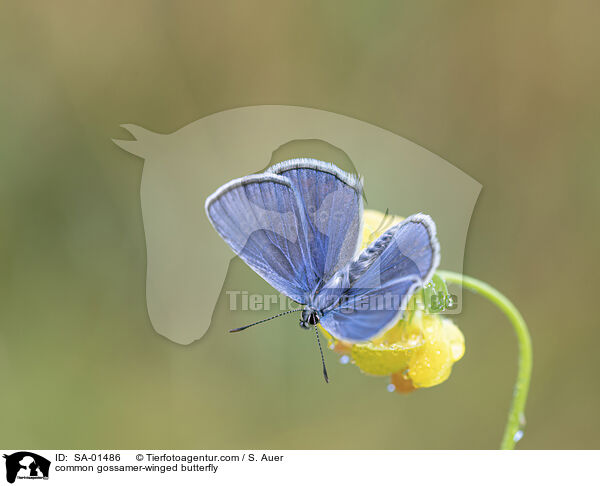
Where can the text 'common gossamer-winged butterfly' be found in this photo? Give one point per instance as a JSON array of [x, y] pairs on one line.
[[298, 225]]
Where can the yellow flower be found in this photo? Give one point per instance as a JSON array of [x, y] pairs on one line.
[[419, 351]]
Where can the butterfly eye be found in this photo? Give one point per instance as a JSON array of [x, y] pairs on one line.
[[313, 319]]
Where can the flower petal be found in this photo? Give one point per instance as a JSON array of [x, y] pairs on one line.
[[431, 364]]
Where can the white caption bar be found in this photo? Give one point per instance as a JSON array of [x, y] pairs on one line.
[[445, 468]]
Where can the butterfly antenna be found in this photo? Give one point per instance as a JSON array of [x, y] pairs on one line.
[[264, 320], [322, 358], [381, 225]]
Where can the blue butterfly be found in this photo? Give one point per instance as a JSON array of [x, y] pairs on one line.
[[298, 225]]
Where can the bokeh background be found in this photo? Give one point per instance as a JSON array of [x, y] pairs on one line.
[[507, 91]]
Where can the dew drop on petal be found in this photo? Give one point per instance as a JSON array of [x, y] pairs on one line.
[[391, 387], [345, 359], [457, 350]]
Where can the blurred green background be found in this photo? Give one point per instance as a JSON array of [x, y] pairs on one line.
[[506, 91]]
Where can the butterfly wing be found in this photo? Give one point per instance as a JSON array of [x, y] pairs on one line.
[[332, 202], [370, 294], [259, 217]]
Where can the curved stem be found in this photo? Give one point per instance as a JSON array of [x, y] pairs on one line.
[[516, 415]]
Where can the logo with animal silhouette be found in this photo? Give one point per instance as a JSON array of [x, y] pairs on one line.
[[26, 465], [190, 270]]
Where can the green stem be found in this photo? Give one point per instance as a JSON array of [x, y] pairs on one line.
[[516, 415]]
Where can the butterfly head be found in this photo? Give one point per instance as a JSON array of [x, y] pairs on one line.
[[309, 317]]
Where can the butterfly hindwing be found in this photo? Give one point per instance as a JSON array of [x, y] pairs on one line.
[[370, 294]]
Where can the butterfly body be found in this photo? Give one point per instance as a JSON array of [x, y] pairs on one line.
[[309, 317]]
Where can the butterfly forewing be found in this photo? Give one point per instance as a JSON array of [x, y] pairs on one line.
[[260, 219], [332, 202]]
